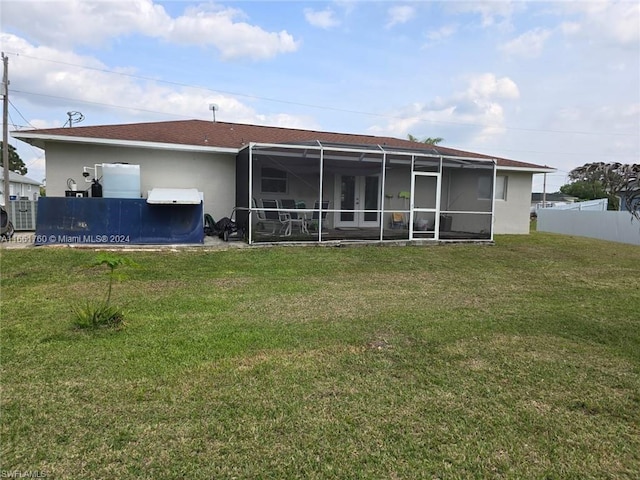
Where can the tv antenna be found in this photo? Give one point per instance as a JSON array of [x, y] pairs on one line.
[[74, 117], [213, 107]]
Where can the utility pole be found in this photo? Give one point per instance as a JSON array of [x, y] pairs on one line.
[[5, 128]]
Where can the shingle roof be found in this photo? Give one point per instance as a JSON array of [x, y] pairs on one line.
[[237, 135], [17, 178]]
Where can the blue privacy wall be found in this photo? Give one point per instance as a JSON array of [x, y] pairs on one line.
[[116, 221]]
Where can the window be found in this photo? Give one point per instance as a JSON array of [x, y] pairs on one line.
[[484, 187], [501, 187], [273, 180]]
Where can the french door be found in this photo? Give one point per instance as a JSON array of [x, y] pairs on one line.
[[357, 192]]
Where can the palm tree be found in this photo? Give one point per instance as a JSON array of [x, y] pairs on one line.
[[428, 140]]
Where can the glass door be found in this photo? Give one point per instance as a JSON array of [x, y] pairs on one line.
[[358, 193]]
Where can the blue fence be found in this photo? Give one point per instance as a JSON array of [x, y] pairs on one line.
[[116, 221]]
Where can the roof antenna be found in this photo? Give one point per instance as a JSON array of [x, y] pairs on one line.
[[213, 107], [74, 117]]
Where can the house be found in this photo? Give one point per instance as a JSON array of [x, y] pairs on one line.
[[630, 200], [343, 186], [20, 187], [549, 200], [23, 196]]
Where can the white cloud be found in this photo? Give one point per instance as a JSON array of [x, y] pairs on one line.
[[435, 37], [73, 22], [493, 13], [487, 86], [94, 23], [478, 108], [617, 22], [40, 123], [62, 82], [570, 28], [232, 38], [400, 14], [530, 44], [285, 120], [321, 18]]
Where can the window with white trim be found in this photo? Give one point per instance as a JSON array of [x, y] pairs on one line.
[[484, 187], [501, 187], [273, 180]]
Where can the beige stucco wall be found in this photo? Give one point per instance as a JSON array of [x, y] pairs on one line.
[[512, 215], [211, 173]]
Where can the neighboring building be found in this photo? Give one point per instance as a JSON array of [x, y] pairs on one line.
[[630, 201], [20, 187], [550, 200], [364, 184]]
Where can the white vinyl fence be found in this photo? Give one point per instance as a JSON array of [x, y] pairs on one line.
[[599, 205], [613, 226]]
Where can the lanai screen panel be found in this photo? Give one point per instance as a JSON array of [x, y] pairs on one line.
[[466, 204], [351, 192], [242, 189], [397, 201], [285, 174]]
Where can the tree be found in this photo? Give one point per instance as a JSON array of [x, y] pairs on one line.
[[428, 140], [586, 190], [15, 162], [617, 179]]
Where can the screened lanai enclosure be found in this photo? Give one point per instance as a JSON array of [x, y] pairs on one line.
[[320, 192]]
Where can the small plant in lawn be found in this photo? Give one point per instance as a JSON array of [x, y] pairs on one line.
[[97, 314]]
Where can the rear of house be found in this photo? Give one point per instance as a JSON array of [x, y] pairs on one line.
[[343, 186]]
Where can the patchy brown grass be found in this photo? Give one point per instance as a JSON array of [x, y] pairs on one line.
[[515, 361]]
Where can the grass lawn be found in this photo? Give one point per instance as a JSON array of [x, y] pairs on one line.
[[519, 360]]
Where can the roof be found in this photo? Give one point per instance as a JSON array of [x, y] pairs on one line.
[[233, 137], [552, 197], [17, 178]]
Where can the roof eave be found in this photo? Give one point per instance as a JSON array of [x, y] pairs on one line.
[[38, 140], [526, 169]]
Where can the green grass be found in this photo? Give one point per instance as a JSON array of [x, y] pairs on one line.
[[519, 360]]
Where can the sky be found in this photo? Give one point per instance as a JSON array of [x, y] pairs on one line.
[[549, 83]]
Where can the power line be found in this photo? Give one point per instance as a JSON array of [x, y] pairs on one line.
[[122, 107], [99, 103], [286, 102], [19, 113], [16, 126]]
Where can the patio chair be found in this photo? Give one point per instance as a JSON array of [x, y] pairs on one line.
[[263, 221], [397, 220], [288, 205], [315, 217], [273, 213]]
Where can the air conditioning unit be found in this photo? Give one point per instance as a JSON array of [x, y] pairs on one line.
[[23, 214]]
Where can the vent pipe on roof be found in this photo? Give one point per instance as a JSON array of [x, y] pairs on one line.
[[213, 107]]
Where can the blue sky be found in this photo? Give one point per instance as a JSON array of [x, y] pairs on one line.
[[551, 83]]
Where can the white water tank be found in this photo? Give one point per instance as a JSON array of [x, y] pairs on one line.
[[120, 180]]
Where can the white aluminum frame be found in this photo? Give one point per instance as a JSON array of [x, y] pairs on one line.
[[385, 153]]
